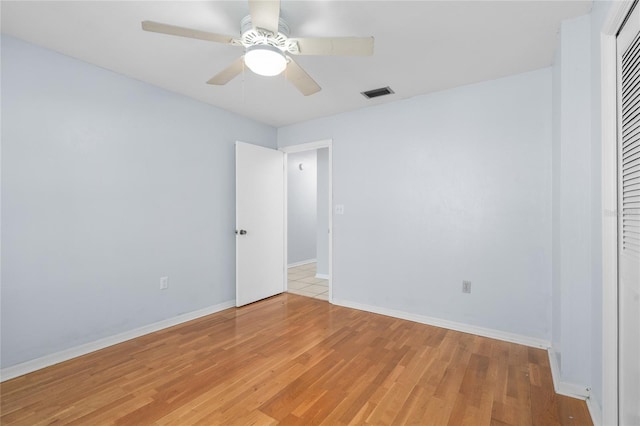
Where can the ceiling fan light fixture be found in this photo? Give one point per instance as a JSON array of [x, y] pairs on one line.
[[265, 60]]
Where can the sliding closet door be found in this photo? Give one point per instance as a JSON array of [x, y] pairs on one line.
[[628, 46]]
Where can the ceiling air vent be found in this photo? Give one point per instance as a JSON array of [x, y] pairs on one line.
[[370, 94]]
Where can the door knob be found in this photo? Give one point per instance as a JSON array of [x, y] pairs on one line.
[[241, 232]]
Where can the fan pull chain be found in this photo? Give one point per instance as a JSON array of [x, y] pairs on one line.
[[244, 92]]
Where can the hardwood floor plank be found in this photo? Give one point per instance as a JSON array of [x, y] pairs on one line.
[[504, 413], [437, 412], [300, 361], [414, 403], [390, 405], [349, 408], [474, 380], [572, 412]]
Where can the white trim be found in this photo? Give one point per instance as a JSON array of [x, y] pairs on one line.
[[67, 354], [330, 207], [555, 369], [322, 276], [609, 232], [595, 411], [309, 146], [285, 224], [302, 262], [451, 325], [565, 388], [617, 14]]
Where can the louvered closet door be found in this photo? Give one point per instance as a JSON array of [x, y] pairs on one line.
[[629, 220]]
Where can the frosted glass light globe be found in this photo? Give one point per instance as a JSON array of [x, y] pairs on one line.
[[265, 60]]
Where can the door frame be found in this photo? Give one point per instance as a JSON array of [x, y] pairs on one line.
[[617, 16], [310, 146]]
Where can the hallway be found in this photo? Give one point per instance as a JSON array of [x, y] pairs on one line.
[[303, 282]]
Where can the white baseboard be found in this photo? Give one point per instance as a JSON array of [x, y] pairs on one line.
[[322, 276], [564, 388], [595, 411], [67, 354], [451, 325], [302, 262]]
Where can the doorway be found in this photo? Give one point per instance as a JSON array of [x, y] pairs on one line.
[[303, 280], [308, 234]]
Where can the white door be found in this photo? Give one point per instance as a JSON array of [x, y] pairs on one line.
[[259, 223], [629, 221]]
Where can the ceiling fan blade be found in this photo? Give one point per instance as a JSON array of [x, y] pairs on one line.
[[229, 73], [158, 27], [335, 46], [299, 78], [265, 14]]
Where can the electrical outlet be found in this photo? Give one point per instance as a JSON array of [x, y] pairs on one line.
[[339, 209], [466, 286], [164, 283]]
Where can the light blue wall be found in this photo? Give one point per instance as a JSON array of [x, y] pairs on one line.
[[556, 309], [107, 185], [577, 224], [572, 148], [599, 14], [442, 188], [322, 252], [301, 208], [577, 156]]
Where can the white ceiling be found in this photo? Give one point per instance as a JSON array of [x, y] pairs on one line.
[[420, 46]]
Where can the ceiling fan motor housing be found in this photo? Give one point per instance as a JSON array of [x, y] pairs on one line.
[[258, 36]]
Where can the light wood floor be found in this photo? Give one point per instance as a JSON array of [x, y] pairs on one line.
[[296, 360]]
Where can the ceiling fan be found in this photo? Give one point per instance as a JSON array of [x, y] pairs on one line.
[[268, 47]]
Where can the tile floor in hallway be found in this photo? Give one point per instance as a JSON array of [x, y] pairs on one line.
[[302, 281]]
